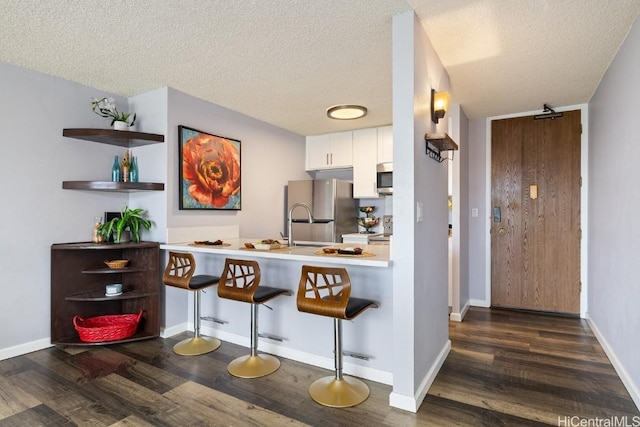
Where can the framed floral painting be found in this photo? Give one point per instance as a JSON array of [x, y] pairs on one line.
[[209, 175]]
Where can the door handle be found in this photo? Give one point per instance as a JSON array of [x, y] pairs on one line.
[[502, 231]]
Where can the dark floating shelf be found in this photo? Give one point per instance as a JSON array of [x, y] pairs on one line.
[[437, 143], [112, 186], [100, 296], [75, 340], [122, 138], [112, 270]]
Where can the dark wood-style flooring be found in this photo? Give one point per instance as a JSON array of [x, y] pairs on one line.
[[505, 369]]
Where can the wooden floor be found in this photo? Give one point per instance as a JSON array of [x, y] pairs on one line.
[[505, 368]]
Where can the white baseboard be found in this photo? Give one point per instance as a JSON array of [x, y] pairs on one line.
[[480, 303], [19, 350], [267, 346], [412, 403], [175, 330], [457, 317], [632, 388]]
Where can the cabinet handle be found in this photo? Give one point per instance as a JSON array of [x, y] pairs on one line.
[[327, 159], [331, 154]]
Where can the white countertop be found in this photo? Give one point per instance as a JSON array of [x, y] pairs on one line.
[[236, 247], [361, 235]]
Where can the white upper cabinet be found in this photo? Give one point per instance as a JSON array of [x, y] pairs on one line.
[[370, 147], [330, 151], [385, 144], [365, 158]]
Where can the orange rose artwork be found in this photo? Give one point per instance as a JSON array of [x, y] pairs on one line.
[[210, 171]]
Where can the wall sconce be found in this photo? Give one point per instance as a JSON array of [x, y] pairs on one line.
[[439, 105]]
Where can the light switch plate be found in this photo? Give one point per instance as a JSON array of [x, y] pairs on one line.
[[387, 224]]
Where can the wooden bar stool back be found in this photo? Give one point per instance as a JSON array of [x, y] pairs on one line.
[[240, 281], [180, 273], [326, 291]]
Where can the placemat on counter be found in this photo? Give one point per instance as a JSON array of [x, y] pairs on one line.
[[209, 246], [282, 248], [362, 255]]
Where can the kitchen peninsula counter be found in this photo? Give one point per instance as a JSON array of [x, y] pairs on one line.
[[286, 332], [236, 248]]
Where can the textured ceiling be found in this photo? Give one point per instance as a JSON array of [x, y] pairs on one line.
[[286, 61]]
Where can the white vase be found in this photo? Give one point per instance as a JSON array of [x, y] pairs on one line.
[[120, 125], [125, 236]]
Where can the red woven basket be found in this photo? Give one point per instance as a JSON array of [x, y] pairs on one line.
[[107, 328]]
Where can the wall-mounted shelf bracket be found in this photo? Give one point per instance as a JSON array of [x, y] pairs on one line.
[[436, 143]]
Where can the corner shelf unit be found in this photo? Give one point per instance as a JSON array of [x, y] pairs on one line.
[[78, 280], [120, 138], [437, 143]]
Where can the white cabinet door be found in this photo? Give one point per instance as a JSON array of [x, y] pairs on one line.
[[385, 144], [317, 150], [341, 155], [329, 151], [365, 157]]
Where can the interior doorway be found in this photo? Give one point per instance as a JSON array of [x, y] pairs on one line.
[[535, 201]]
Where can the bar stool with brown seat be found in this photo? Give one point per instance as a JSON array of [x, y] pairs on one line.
[[180, 272], [326, 291], [240, 281]]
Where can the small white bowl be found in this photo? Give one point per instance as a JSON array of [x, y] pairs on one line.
[[113, 289]]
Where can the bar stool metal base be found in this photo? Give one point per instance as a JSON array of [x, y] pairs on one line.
[[253, 366], [196, 346], [339, 393]]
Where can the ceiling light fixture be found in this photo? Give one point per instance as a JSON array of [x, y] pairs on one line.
[[439, 105], [346, 112]]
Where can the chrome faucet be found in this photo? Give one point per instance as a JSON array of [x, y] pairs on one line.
[[290, 220]]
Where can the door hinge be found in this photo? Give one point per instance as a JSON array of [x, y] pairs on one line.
[[580, 128], [580, 181], [580, 233]]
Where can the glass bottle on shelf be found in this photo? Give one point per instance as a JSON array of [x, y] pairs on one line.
[[115, 170], [133, 172]]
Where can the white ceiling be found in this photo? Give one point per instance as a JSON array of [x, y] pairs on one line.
[[286, 61]]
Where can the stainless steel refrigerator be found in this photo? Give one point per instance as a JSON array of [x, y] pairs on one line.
[[332, 206]]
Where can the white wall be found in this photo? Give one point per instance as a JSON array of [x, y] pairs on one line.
[[270, 157], [614, 203], [37, 212], [461, 213], [420, 271], [477, 189]]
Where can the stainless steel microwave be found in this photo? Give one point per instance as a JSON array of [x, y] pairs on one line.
[[384, 178]]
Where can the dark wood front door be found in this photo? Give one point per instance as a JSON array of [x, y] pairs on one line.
[[535, 229]]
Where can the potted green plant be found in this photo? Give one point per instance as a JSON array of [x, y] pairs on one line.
[[130, 219], [106, 107]]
